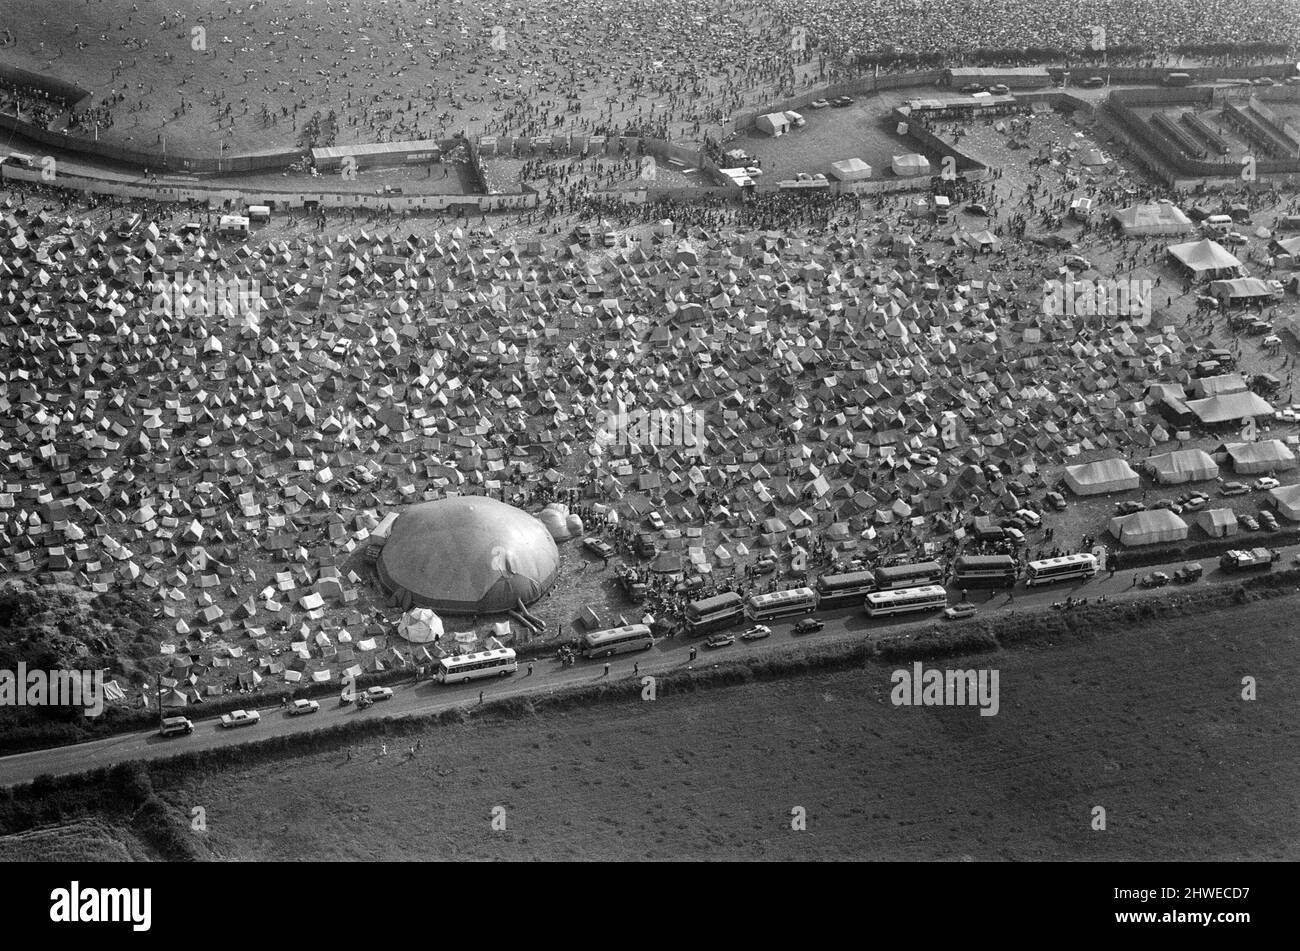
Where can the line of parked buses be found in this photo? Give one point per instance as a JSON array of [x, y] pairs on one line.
[[896, 589]]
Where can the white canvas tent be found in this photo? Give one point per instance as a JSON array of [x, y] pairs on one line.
[[1159, 218], [910, 165], [1218, 523], [1101, 477], [851, 170], [1184, 465], [1269, 455], [1148, 528], [1287, 500], [773, 123]]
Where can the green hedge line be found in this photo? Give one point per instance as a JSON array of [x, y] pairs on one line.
[[52, 799]]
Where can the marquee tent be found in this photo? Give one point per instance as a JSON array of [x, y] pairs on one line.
[[1269, 455], [1229, 407], [1148, 528], [1159, 218], [1287, 500], [1184, 465], [1103, 476], [1204, 260], [467, 555], [1242, 290]]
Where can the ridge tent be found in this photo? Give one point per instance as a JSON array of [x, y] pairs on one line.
[[773, 123], [1218, 523]]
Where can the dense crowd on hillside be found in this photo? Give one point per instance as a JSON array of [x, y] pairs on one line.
[[645, 67]]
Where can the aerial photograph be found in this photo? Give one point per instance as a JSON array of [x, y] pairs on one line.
[[727, 431]]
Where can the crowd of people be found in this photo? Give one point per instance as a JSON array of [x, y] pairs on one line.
[[671, 71]]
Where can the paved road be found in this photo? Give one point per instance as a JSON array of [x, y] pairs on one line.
[[548, 676]]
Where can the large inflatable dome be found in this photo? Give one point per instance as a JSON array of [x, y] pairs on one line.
[[467, 555]]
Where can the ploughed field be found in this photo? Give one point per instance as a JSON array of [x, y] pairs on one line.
[[1147, 723]]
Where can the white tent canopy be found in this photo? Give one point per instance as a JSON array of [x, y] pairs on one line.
[[851, 170], [910, 165]]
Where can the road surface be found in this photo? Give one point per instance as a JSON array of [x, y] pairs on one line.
[[548, 676]]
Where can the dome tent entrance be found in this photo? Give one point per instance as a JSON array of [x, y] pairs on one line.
[[467, 555]]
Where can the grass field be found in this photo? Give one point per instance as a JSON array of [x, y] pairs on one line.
[[1148, 723]]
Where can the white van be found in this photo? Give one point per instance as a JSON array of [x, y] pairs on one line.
[[259, 213], [234, 225], [1219, 224]]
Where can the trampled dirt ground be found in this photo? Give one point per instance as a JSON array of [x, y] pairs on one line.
[[1148, 724]]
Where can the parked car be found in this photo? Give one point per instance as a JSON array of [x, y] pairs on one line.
[[972, 88], [1269, 521], [720, 640], [1056, 500], [1029, 517], [1093, 82], [999, 89], [840, 102], [1195, 504], [809, 625], [379, 693], [1168, 504], [300, 707], [1234, 237], [1128, 506], [1157, 579], [1267, 482], [1189, 572], [958, 611], [923, 459], [1076, 263], [1016, 535], [765, 566], [176, 726], [819, 104], [756, 633], [1249, 522], [1234, 488], [598, 547], [240, 718], [656, 521]]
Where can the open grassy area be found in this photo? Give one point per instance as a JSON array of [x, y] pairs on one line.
[[1148, 723]]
